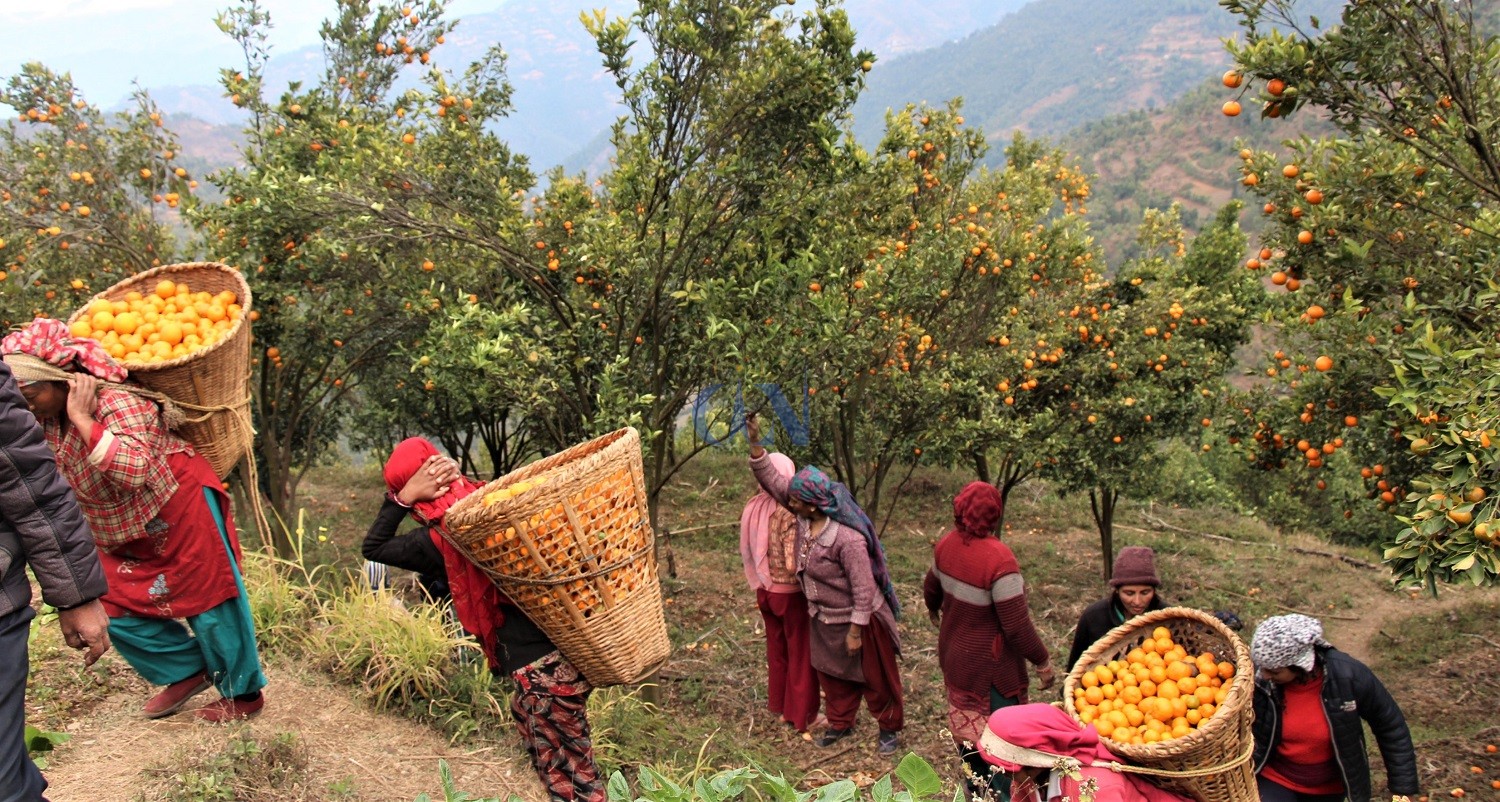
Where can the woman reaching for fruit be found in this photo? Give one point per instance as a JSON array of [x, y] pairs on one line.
[[551, 698], [1310, 699], [850, 599], [1134, 586], [161, 520]]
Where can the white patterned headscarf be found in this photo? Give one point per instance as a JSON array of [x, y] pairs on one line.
[[1287, 640]]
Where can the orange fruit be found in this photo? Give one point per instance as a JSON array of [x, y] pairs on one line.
[[1231, 108]]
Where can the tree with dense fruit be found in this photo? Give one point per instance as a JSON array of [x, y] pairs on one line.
[[1382, 244], [86, 198]]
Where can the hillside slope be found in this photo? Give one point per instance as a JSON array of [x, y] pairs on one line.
[[1058, 64]]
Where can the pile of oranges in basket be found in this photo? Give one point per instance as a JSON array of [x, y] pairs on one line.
[[170, 322], [1158, 692]]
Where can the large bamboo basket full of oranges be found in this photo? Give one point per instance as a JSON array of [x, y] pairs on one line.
[[1171, 692], [184, 331], [568, 538]]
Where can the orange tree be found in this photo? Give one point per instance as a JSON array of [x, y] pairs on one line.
[[86, 198], [1382, 242], [632, 287], [340, 301], [1148, 361]]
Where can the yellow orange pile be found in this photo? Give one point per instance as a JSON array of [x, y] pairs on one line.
[[171, 322], [1157, 693]]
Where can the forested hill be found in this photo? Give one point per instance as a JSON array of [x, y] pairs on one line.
[[1055, 65], [1187, 152]]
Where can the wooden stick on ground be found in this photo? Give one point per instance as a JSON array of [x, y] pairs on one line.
[[1282, 606]]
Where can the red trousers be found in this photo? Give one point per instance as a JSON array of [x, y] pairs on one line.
[[881, 689], [791, 683]]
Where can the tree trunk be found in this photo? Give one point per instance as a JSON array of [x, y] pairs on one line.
[[1012, 474], [981, 466], [1102, 504]]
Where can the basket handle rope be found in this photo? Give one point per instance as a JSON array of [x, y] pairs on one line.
[[171, 408], [643, 551], [1203, 772]]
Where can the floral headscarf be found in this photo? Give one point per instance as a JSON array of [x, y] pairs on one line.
[[1287, 640], [46, 351], [834, 500]]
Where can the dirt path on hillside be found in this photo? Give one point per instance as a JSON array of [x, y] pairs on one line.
[[114, 754], [1372, 633]]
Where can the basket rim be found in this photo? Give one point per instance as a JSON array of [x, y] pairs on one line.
[[126, 284], [1241, 686], [458, 517]]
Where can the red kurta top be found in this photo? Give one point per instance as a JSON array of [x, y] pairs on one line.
[[141, 489]]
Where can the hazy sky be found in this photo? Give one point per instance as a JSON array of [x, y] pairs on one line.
[[106, 44]]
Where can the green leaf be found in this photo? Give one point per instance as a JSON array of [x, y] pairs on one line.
[[919, 777]]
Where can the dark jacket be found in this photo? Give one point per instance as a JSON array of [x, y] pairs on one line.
[[1351, 692], [1098, 620], [519, 641], [40, 523]]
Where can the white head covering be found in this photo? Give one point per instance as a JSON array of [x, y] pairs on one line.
[[1287, 640]]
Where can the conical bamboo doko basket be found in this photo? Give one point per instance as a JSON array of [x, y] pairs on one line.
[[1212, 764], [210, 385], [568, 538]]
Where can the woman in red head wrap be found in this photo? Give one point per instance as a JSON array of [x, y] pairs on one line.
[[976, 598], [551, 696]]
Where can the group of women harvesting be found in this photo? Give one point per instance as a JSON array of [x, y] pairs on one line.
[[821, 584]]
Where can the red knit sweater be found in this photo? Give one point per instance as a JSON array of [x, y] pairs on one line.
[[1304, 760], [986, 635]]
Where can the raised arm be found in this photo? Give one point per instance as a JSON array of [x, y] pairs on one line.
[[760, 464]]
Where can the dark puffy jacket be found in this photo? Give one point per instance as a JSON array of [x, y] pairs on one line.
[[1351, 692], [40, 523], [1098, 620]]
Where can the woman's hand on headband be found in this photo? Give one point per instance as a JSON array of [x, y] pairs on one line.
[[83, 401], [431, 481]]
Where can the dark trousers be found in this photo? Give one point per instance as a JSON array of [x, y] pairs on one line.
[[881, 689], [19, 779], [1272, 791]]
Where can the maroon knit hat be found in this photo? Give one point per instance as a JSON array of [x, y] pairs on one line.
[[1135, 565]]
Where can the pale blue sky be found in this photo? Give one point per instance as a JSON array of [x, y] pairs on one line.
[[106, 44]]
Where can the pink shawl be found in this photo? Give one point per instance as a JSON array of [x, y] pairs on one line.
[[755, 527]]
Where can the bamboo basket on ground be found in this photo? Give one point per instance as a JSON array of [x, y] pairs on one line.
[[568, 539], [1212, 764], [211, 385]]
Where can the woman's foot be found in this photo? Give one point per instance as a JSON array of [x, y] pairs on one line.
[[174, 696], [227, 709], [888, 742], [832, 736]]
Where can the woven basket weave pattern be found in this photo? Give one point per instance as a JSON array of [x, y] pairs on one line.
[[577, 554], [215, 376], [1221, 740]]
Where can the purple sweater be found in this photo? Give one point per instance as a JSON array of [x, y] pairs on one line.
[[833, 566]]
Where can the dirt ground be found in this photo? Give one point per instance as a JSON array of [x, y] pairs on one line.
[[114, 754]]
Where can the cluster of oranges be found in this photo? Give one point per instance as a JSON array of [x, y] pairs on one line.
[[1157, 693], [171, 322]]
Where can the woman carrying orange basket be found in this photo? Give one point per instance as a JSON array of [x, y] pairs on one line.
[[551, 699], [850, 599], [1134, 588], [160, 517]]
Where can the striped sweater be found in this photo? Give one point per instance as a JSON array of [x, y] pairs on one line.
[[986, 636]]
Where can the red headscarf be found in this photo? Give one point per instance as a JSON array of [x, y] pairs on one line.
[[977, 509], [475, 598]]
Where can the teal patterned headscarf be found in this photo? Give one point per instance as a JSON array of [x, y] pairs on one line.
[[834, 500]]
